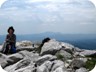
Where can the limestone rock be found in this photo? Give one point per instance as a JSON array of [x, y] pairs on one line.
[[88, 52], [50, 47], [82, 70], [44, 58]]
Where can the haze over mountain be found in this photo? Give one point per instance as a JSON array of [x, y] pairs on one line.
[[85, 41]]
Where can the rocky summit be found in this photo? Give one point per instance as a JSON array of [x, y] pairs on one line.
[[52, 56]]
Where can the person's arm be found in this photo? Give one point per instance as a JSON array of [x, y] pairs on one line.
[[6, 38], [14, 38]]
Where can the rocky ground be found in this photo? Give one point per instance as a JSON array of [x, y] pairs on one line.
[[53, 56]]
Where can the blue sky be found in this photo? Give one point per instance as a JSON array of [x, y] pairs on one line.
[[37, 16]]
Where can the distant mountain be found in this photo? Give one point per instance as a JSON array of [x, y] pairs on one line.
[[58, 36], [86, 41]]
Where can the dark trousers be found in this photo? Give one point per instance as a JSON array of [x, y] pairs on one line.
[[7, 50], [10, 50]]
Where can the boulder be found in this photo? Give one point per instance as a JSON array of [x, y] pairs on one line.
[[28, 48], [15, 58], [78, 63], [26, 69], [87, 52], [44, 58], [23, 63], [10, 59], [4, 60], [65, 54], [82, 70], [50, 47], [67, 63], [57, 64], [30, 55], [67, 45], [45, 67], [60, 69], [24, 43], [19, 65], [28, 60], [76, 49]]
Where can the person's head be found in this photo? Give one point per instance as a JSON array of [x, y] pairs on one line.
[[11, 30], [46, 40]]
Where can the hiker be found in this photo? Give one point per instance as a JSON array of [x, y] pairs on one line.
[[43, 42], [10, 42]]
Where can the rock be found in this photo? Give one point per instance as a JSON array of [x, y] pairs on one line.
[[58, 66], [24, 43], [67, 63], [45, 67], [65, 54], [76, 49], [44, 58], [82, 70], [23, 63], [77, 54], [69, 50], [60, 69], [15, 58], [77, 63], [0, 47], [55, 66], [66, 45], [50, 47], [28, 60], [19, 65], [54, 57], [29, 55], [4, 60], [87, 52], [28, 48], [26, 69], [11, 59], [83, 59]]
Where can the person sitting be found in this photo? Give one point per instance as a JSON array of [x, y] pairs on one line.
[[10, 42]]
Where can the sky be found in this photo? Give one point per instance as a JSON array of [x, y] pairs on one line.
[[38, 16]]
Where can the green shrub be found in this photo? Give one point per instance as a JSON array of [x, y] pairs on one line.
[[59, 56], [90, 64]]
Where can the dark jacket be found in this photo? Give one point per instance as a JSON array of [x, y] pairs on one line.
[[11, 39]]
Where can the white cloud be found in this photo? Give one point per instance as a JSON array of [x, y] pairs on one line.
[[49, 14], [49, 4], [30, 1], [49, 7]]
